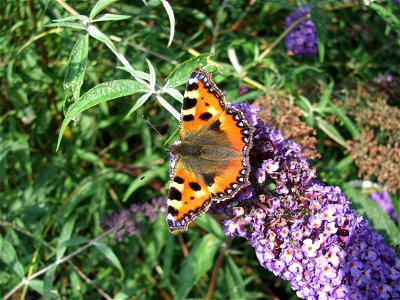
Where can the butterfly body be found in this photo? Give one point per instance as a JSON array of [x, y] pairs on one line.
[[212, 160]]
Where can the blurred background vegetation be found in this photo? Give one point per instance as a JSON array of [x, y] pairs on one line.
[[341, 105]]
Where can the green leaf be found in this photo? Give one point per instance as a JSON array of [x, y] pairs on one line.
[[101, 93], [351, 127], [321, 51], [65, 235], [77, 66], [168, 258], [308, 110], [331, 131], [387, 16], [152, 75], [139, 103], [72, 18], [300, 70], [320, 24], [305, 105], [100, 5], [199, 262], [378, 218], [98, 35], [74, 241], [209, 224], [234, 281], [181, 73], [48, 283], [171, 17], [110, 17], [37, 286], [90, 157], [325, 99], [234, 60], [139, 182], [9, 256], [136, 74], [79, 26], [110, 255], [396, 203], [174, 93]]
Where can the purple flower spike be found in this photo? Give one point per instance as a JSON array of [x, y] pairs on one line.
[[382, 198], [304, 231], [130, 221], [302, 40]]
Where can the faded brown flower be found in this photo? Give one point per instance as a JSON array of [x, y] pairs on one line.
[[377, 152], [279, 109]]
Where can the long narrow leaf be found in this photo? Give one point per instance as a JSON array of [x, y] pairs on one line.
[[98, 35], [77, 65], [100, 5], [8, 256], [351, 127], [199, 261], [65, 235], [110, 255], [101, 93], [72, 18], [181, 73], [171, 17], [68, 24], [324, 101], [139, 103], [234, 280], [331, 131], [48, 282], [174, 93], [152, 75], [110, 17]]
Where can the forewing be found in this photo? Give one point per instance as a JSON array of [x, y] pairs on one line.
[[203, 103]]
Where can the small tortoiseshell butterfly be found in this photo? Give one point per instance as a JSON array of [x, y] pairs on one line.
[[212, 157]]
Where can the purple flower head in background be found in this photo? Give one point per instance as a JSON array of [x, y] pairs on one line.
[[128, 222], [301, 40], [304, 231], [242, 89], [385, 78], [382, 198]]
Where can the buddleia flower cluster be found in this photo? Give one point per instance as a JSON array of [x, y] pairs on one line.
[[304, 231], [128, 222], [382, 198], [302, 39]]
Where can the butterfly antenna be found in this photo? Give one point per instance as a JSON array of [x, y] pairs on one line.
[[156, 165], [151, 125]]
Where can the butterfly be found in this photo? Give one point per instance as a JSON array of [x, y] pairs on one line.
[[212, 156]]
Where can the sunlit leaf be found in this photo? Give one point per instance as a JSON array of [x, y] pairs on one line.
[[8, 256], [234, 280], [181, 73], [110, 17], [331, 131], [100, 5], [101, 93], [171, 17], [110, 255], [77, 65], [199, 261]]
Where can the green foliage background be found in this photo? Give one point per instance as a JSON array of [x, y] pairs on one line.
[[60, 79]]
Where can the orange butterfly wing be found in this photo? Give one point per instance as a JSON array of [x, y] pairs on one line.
[[213, 156]]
